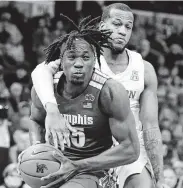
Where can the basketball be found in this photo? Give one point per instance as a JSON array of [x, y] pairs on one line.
[[36, 162]]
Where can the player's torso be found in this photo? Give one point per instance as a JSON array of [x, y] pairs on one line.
[[94, 135], [132, 79]]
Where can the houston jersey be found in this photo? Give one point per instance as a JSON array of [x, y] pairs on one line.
[[132, 79], [93, 135]]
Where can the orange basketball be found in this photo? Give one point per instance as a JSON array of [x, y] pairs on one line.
[[37, 161]]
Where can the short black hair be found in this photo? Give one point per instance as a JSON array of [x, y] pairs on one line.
[[119, 6], [86, 30]]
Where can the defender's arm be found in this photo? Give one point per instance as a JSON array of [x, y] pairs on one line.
[[149, 118], [42, 78], [55, 124], [37, 130]]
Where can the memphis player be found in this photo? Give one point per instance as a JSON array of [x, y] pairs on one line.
[[96, 105], [140, 81]]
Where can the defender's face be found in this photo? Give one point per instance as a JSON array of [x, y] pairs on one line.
[[78, 63], [120, 23]]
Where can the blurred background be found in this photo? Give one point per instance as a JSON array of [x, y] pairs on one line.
[[26, 28]]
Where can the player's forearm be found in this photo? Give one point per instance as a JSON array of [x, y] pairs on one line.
[[36, 133], [42, 78], [122, 154], [153, 145]]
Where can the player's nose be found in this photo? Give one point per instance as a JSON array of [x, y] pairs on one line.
[[78, 63], [122, 30]]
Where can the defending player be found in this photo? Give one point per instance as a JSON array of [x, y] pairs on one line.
[[96, 105], [140, 81]]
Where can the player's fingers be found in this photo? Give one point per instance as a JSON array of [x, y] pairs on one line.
[[53, 183], [72, 129], [66, 135], [61, 140], [55, 138], [50, 176], [47, 136], [60, 181], [20, 156], [60, 157]]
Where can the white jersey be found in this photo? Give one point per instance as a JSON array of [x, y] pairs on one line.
[[133, 81]]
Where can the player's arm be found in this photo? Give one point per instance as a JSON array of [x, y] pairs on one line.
[[36, 130], [115, 104], [38, 114], [55, 124], [42, 78], [149, 118]]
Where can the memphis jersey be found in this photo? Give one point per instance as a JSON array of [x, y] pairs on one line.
[[133, 81], [93, 136]]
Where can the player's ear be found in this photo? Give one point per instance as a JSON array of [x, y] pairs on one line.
[[61, 65], [95, 60]]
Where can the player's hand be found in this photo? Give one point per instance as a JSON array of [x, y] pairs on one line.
[[161, 184], [57, 127], [19, 161], [54, 66], [67, 171], [20, 157]]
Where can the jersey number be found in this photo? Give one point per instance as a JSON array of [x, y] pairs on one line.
[[78, 138]]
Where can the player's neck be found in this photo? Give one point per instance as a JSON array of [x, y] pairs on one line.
[[115, 58], [72, 91]]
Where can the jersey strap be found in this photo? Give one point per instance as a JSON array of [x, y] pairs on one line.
[[98, 79]]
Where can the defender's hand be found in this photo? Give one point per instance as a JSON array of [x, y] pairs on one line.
[[67, 171], [57, 127]]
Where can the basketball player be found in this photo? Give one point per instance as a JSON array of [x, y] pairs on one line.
[[96, 105], [140, 81]]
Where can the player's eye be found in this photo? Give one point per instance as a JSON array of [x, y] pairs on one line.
[[116, 23], [128, 27], [71, 57], [85, 58]]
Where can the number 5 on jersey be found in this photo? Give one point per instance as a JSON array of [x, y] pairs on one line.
[[78, 138]]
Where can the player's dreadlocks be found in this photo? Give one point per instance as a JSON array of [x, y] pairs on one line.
[[86, 30]]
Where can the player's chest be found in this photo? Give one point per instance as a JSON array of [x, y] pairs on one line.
[[117, 69]]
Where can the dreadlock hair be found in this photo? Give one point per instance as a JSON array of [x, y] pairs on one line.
[[86, 30]]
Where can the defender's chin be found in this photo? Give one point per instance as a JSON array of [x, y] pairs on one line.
[[118, 48]]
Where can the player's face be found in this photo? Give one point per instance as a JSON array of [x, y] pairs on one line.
[[120, 23], [78, 63]]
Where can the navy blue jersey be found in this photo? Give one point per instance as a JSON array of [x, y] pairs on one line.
[[94, 135]]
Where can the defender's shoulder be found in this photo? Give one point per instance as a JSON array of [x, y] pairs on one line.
[[150, 76]]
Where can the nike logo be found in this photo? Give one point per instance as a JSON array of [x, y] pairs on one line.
[[37, 152]]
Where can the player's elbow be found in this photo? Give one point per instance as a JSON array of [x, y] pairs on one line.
[[134, 150], [37, 70], [130, 150]]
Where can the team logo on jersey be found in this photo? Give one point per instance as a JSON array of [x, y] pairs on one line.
[[134, 76], [89, 98]]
